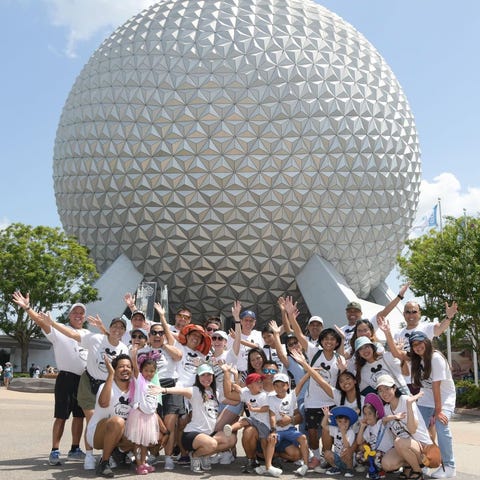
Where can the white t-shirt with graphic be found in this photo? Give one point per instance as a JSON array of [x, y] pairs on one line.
[[283, 406], [258, 400], [204, 412], [70, 356]]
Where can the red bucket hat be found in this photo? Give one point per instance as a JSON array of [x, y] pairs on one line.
[[204, 345]]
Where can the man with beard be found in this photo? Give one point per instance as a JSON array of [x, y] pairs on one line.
[[71, 360], [106, 429]]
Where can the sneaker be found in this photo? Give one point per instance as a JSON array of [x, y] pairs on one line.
[[226, 458], [349, 473], [184, 460], [301, 471], [196, 465], [260, 470], [141, 470], [250, 466], [444, 472], [169, 463], [274, 471], [76, 454], [119, 458], [322, 468], [150, 468], [360, 468], [206, 463], [54, 458], [103, 469], [227, 430], [89, 462], [333, 471], [314, 462]]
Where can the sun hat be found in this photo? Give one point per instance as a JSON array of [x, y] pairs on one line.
[[204, 345], [362, 341], [376, 402], [343, 411]]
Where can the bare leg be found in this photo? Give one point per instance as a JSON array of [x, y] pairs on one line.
[[57, 432]]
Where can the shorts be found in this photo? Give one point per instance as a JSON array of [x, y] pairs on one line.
[[314, 417], [86, 398], [285, 438], [339, 463], [188, 439], [99, 438], [171, 404], [66, 389], [263, 430]]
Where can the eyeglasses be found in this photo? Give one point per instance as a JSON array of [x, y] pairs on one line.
[[212, 329], [184, 315], [270, 370], [292, 344], [217, 337], [410, 311], [157, 332], [138, 336]]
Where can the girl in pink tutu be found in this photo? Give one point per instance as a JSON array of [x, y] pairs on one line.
[[142, 427]]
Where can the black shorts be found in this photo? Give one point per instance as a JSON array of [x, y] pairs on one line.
[[314, 417], [187, 440], [66, 387]]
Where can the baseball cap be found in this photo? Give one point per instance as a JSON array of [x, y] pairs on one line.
[[121, 320], [204, 368], [75, 305], [281, 377], [385, 380], [417, 336], [253, 377], [248, 313], [315, 318], [137, 312], [141, 330], [354, 305], [221, 333]]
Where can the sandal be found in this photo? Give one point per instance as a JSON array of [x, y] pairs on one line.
[[415, 475], [406, 472]]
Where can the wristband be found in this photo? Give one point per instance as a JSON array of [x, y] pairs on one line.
[[401, 297], [273, 430], [166, 432], [237, 322]]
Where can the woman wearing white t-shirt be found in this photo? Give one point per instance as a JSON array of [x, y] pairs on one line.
[[431, 372]]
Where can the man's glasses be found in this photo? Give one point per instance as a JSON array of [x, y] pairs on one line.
[[184, 315], [157, 332], [212, 329], [217, 337], [138, 336], [410, 311], [272, 371]]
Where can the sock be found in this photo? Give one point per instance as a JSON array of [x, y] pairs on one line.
[[74, 447], [55, 450], [89, 453], [316, 453]]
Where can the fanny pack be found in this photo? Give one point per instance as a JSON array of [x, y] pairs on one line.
[[94, 383]]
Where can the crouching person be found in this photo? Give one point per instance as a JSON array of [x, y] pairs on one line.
[[106, 429]]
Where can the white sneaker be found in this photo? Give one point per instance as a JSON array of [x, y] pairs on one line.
[[440, 472], [260, 470], [301, 471], [90, 463], [274, 471], [169, 463], [205, 463], [227, 430], [226, 458]]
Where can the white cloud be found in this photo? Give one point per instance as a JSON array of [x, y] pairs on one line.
[[85, 18], [4, 223]]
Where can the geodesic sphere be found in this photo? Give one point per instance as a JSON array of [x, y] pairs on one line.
[[220, 144]]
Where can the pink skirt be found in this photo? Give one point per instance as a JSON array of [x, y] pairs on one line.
[[142, 428]]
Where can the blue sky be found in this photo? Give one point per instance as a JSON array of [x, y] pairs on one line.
[[431, 45]]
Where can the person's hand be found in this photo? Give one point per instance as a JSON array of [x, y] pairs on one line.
[[226, 367], [231, 332], [451, 311], [108, 364], [20, 300], [281, 303], [442, 418], [160, 310], [340, 332], [298, 357], [46, 317], [237, 307], [290, 307], [414, 398], [383, 324], [341, 363], [95, 321], [129, 300], [403, 289], [275, 328]]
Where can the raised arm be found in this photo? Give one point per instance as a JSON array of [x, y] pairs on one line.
[[24, 302], [129, 300], [228, 391], [68, 332], [291, 309], [393, 303], [237, 332], [277, 344], [185, 391], [169, 345], [106, 393], [384, 326], [450, 312]]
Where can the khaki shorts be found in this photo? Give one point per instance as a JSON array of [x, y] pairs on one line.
[[98, 438], [85, 397]]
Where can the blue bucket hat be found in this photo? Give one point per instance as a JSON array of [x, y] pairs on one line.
[[343, 411]]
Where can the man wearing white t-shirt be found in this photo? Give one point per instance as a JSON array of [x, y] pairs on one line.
[[71, 360], [106, 428]]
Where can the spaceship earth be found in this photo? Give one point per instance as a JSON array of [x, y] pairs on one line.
[[220, 144]]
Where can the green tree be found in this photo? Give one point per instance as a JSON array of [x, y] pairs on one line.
[[52, 266], [444, 266]]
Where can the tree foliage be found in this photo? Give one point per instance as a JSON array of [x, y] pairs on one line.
[[444, 266], [52, 266]]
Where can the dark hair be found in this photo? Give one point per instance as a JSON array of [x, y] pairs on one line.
[[212, 319], [202, 389], [369, 324], [330, 331], [255, 350], [343, 394], [183, 309], [267, 329], [122, 356], [420, 372]]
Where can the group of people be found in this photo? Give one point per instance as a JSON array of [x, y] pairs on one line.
[[333, 400]]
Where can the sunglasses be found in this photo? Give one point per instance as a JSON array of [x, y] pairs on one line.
[[410, 311], [217, 337], [138, 336], [157, 332], [183, 315], [292, 344], [212, 329], [270, 370]]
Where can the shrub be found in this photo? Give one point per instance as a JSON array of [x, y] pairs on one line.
[[468, 394]]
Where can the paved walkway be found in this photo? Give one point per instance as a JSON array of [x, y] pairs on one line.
[[25, 436]]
